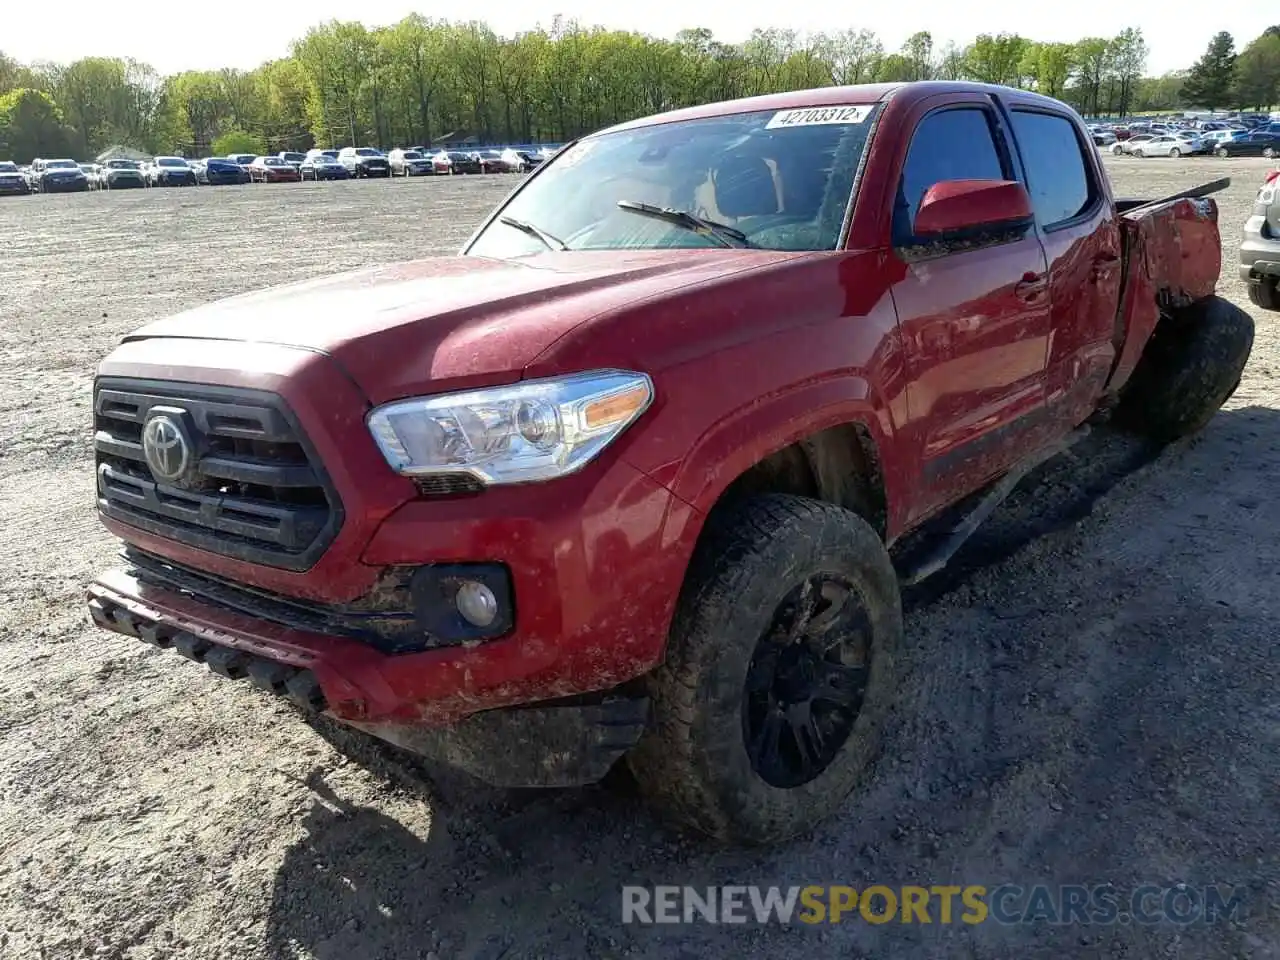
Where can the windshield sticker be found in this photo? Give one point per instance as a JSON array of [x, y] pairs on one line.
[[815, 116]]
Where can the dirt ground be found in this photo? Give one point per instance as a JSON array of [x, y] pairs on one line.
[[1089, 697]]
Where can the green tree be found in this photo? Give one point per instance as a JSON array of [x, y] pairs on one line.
[[1093, 61], [1257, 77], [1210, 80], [853, 55], [1048, 66], [919, 52], [31, 125], [238, 141], [1128, 60], [996, 59]]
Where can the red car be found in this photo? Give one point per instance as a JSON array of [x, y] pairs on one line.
[[620, 481], [273, 170]]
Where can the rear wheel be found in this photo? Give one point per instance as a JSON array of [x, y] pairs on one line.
[[778, 672], [1222, 152], [1269, 152], [1175, 153], [1265, 292], [1190, 367]]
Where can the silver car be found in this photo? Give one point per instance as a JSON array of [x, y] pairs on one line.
[[1260, 251]]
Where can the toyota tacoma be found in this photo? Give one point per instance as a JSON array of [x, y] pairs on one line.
[[618, 482]]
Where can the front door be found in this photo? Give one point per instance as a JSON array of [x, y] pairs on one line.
[[974, 320]]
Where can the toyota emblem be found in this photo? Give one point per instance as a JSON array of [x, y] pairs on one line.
[[165, 445]]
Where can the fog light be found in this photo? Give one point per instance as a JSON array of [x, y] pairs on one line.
[[476, 603]]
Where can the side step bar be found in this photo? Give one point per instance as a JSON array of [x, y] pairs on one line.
[[939, 557]]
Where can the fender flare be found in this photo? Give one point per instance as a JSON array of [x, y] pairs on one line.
[[751, 433]]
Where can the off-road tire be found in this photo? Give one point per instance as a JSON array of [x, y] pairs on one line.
[[1265, 293], [1190, 367], [693, 763]]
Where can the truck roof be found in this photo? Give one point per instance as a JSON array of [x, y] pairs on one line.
[[830, 97]]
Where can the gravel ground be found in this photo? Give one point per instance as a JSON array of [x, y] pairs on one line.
[[1089, 696]]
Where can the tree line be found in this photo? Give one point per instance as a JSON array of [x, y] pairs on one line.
[[424, 81]]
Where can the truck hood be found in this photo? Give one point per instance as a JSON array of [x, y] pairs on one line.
[[450, 322]]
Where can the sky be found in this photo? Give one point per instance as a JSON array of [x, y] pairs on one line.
[[192, 36]]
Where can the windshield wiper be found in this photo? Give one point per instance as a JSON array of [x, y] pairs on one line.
[[551, 241], [721, 232]]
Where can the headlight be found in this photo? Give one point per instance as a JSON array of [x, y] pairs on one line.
[[535, 430]]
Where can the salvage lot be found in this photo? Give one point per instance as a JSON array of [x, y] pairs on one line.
[[1090, 697]]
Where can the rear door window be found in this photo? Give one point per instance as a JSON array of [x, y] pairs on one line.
[[1058, 175]]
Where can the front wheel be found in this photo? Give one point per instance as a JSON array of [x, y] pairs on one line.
[[1269, 152], [1190, 367], [1222, 152], [778, 673]]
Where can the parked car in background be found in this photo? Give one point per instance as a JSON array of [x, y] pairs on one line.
[[219, 171], [1260, 251], [322, 165], [273, 170], [364, 162], [532, 159], [440, 163], [170, 172], [1102, 136], [292, 157], [1168, 145], [57, 176], [90, 170], [410, 163], [463, 162], [1255, 144], [1222, 135], [12, 181], [243, 159], [1126, 147], [121, 174]]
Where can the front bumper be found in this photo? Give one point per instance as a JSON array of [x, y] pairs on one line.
[[14, 187], [593, 579], [561, 743]]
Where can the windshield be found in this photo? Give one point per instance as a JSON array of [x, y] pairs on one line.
[[62, 165], [170, 162], [368, 152], [7, 167], [780, 179], [294, 156], [273, 162], [412, 155], [122, 165]]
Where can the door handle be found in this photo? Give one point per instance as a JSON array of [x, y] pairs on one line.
[[1031, 286]]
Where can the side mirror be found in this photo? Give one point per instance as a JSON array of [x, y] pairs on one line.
[[965, 206]]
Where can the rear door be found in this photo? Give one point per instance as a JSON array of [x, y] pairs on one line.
[[974, 318], [1076, 221]]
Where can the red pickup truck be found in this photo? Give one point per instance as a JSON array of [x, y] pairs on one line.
[[621, 479]]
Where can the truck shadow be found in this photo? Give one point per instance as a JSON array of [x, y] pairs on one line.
[[1037, 749]]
